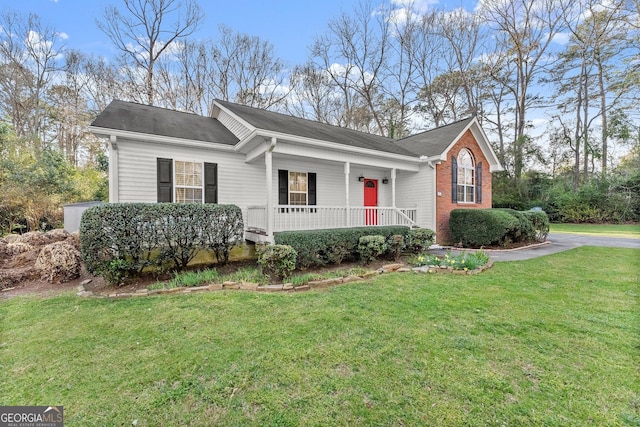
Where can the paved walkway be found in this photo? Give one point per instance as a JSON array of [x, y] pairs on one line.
[[558, 242]]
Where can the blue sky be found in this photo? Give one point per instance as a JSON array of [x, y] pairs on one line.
[[290, 25]]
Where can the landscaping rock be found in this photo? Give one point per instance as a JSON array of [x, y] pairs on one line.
[[270, 288], [325, 283], [351, 279], [391, 267], [248, 286], [58, 262]]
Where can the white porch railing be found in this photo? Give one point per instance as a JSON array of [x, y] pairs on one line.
[[292, 217]]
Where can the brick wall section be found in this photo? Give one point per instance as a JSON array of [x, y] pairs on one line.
[[443, 185]]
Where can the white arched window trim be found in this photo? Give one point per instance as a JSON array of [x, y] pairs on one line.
[[466, 177]]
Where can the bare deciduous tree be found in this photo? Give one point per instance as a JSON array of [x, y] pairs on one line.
[[524, 29], [28, 59], [147, 30]]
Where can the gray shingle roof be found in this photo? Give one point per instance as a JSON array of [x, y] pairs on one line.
[[276, 122], [129, 116], [133, 117], [435, 141]]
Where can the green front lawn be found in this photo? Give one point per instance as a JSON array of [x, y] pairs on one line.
[[613, 230], [549, 341]]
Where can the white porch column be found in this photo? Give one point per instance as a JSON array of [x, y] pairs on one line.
[[113, 170], [393, 187], [268, 162], [347, 171]]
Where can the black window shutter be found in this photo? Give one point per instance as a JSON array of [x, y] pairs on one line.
[[210, 183], [283, 187], [312, 188], [479, 182], [165, 180], [454, 180]]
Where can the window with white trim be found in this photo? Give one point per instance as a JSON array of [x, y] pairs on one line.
[[298, 188], [466, 177], [188, 182]]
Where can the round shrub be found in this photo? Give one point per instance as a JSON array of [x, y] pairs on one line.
[[371, 247], [419, 240], [277, 261], [58, 262]]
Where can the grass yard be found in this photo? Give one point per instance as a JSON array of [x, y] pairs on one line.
[[550, 341], [614, 230]]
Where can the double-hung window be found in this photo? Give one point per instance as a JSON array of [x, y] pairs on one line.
[[298, 188], [188, 182]]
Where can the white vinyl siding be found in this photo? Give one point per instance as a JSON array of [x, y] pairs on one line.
[[416, 190], [239, 183]]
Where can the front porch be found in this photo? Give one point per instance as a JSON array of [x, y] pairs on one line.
[[293, 217]]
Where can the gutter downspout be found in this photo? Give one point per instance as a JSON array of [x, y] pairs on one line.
[[114, 184], [435, 199]]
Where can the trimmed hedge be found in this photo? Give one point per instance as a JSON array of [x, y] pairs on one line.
[[121, 239], [320, 247], [497, 227]]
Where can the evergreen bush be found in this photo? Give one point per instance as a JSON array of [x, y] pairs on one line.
[[319, 247], [122, 239]]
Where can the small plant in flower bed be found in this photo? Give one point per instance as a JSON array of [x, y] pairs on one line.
[[211, 275], [463, 261]]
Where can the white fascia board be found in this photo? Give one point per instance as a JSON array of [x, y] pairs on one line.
[[160, 139], [333, 146], [483, 142], [243, 142], [256, 152]]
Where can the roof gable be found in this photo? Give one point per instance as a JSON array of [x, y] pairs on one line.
[[281, 123], [434, 142]]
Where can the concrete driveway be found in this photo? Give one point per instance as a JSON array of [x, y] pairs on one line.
[[559, 242]]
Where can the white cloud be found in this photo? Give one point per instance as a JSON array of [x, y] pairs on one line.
[[561, 38], [63, 36]]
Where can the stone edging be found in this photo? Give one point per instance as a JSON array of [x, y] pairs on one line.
[[286, 287]]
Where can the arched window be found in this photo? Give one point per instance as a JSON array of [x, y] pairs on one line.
[[466, 177]]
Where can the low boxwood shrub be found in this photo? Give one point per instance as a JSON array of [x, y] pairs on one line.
[[481, 227], [277, 261], [371, 247], [540, 221], [525, 231], [319, 247], [419, 240], [497, 227], [122, 239], [395, 246]]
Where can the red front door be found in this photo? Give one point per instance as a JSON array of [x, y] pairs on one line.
[[371, 199]]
